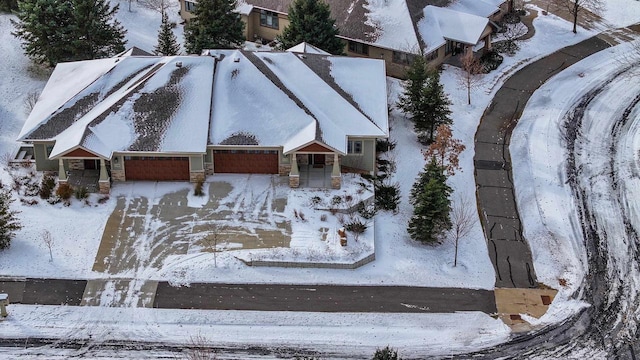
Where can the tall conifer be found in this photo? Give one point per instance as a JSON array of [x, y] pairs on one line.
[[215, 26]]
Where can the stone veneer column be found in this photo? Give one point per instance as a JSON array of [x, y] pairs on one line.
[[335, 173], [294, 174], [104, 183]]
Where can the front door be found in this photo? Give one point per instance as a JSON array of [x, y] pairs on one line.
[[90, 164], [316, 160]]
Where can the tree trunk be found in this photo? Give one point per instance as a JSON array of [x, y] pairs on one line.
[[576, 7], [455, 258], [469, 92]]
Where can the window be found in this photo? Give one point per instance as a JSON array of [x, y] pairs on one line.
[[404, 58], [358, 48], [354, 147], [432, 55], [190, 6], [268, 19], [49, 149]]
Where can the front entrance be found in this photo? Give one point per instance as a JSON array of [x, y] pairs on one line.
[[317, 160], [91, 164]]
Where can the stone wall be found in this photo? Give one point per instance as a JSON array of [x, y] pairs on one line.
[[208, 169], [284, 169], [105, 186], [76, 164], [118, 175], [294, 181]]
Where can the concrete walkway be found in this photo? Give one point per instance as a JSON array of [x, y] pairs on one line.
[[257, 297]]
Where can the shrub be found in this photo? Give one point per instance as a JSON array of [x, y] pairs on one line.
[[336, 200], [81, 193], [323, 217], [384, 145], [387, 196], [198, 189], [491, 60], [103, 199], [32, 189], [366, 211], [316, 200], [46, 187], [64, 191], [356, 226]]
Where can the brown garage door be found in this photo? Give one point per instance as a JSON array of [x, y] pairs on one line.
[[245, 161], [156, 168]]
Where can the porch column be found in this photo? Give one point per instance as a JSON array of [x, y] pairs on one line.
[[335, 172], [62, 173], [103, 182], [294, 174], [487, 43]]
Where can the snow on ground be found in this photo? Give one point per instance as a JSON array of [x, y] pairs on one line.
[[620, 13], [545, 198], [421, 333], [398, 259]]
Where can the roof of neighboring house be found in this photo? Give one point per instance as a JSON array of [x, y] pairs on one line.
[[134, 51], [395, 24], [304, 47], [440, 24], [152, 104], [290, 100], [181, 104]]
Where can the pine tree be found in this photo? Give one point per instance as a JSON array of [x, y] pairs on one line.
[[430, 198], [44, 28], [216, 26], [54, 31], [424, 100], [97, 33], [310, 21], [167, 41], [9, 223], [8, 5]]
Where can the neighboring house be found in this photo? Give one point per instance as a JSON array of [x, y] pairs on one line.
[[392, 30], [228, 111]]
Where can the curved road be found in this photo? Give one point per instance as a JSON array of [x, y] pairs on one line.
[[608, 328]]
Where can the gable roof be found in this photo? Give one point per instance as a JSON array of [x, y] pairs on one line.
[[397, 24], [309, 97], [133, 104], [305, 47], [181, 104]]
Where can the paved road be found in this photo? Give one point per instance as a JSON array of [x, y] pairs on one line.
[[324, 298], [508, 250], [276, 297]]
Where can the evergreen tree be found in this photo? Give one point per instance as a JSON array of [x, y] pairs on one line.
[[54, 31], [424, 100], [8, 5], [44, 28], [8, 221], [386, 354], [430, 198], [310, 21], [437, 105], [97, 33], [216, 26], [167, 41]]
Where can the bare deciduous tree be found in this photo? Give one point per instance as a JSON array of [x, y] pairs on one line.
[[511, 35], [470, 74], [576, 7], [463, 216], [161, 6], [48, 241], [30, 101], [212, 239]]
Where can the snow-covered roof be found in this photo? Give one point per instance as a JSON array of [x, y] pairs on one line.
[[450, 25], [157, 104], [287, 99], [399, 24], [305, 47], [484, 8], [181, 104]]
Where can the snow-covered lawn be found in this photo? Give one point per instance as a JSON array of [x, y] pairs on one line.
[[398, 261]]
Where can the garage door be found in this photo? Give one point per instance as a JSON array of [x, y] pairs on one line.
[[245, 161], [156, 168]]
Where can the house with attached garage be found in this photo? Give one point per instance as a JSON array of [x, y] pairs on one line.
[[392, 30], [227, 111]]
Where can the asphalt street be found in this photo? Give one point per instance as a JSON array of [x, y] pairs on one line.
[[274, 297], [508, 250]]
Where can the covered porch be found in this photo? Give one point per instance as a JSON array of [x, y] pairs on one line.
[[92, 174], [315, 170]]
